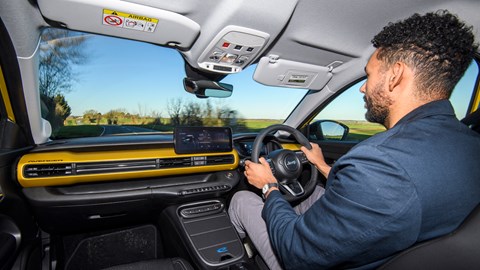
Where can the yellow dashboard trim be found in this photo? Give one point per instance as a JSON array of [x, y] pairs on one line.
[[291, 146], [68, 157]]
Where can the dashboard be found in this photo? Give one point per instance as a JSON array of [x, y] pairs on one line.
[[86, 182], [101, 159]]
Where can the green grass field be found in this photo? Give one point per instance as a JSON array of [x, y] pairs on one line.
[[255, 125], [359, 130]]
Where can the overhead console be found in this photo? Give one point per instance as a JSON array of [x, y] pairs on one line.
[[233, 49], [123, 19], [235, 33]]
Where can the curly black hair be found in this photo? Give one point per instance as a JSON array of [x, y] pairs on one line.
[[437, 45]]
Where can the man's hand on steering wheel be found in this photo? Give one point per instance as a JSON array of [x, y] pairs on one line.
[[282, 165], [315, 156], [259, 174]]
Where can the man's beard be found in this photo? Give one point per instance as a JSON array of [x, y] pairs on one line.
[[377, 105]]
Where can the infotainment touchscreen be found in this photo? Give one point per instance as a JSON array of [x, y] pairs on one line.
[[192, 140]]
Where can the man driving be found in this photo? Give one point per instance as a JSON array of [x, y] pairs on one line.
[[416, 181]]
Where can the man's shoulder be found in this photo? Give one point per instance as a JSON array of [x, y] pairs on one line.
[[377, 141], [422, 133]]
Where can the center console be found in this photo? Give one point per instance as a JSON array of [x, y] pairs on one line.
[[203, 232]]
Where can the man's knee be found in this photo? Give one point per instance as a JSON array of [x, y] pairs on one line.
[[241, 200], [245, 211]]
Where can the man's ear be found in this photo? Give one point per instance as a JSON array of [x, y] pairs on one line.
[[396, 77]]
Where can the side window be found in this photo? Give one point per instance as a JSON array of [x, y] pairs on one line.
[[464, 91], [343, 119]]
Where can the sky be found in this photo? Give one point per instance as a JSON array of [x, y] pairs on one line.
[[142, 78]]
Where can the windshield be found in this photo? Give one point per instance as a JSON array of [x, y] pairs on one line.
[[97, 86]]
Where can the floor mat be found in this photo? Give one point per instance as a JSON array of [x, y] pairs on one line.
[[120, 247]]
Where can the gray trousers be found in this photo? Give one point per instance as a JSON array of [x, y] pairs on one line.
[[246, 215]]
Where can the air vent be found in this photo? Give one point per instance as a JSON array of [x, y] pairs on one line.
[[33, 171], [116, 166], [215, 160], [196, 161], [165, 163]]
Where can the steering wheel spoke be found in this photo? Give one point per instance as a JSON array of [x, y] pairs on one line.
[[302, 157], [272, 167], [293, 188]]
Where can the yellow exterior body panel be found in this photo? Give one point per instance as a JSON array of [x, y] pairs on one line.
[[68, 157], [476, 99]]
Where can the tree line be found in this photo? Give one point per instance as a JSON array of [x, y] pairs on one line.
[[180, 113]]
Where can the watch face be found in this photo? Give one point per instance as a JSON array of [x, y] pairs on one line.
[[265, 188], [268, 186]]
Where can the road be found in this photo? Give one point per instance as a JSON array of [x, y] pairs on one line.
[[110, 130]]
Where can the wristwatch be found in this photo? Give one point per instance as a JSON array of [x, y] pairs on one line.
[[267, 187]]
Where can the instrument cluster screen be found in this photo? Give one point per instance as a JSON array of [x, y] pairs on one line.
[[196, 140]]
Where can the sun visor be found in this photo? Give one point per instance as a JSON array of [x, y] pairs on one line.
[[284, 73], [123, 19]]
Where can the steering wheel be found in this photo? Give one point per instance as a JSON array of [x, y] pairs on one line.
[[287, 165]]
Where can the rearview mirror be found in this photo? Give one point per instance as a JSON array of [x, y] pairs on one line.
[[206, 88], [328, 130]]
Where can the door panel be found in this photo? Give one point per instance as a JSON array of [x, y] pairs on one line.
[[10, 239], [332, 151]]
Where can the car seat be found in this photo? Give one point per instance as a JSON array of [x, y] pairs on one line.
[[458, 250]]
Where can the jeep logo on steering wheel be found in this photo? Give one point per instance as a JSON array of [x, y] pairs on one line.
[[291, 163]]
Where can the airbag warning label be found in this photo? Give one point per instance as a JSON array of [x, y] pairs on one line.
[[129, 21]]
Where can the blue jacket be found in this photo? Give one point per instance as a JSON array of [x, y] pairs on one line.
[[415, 181]]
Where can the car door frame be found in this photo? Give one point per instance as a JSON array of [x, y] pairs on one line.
[[16, 218]]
